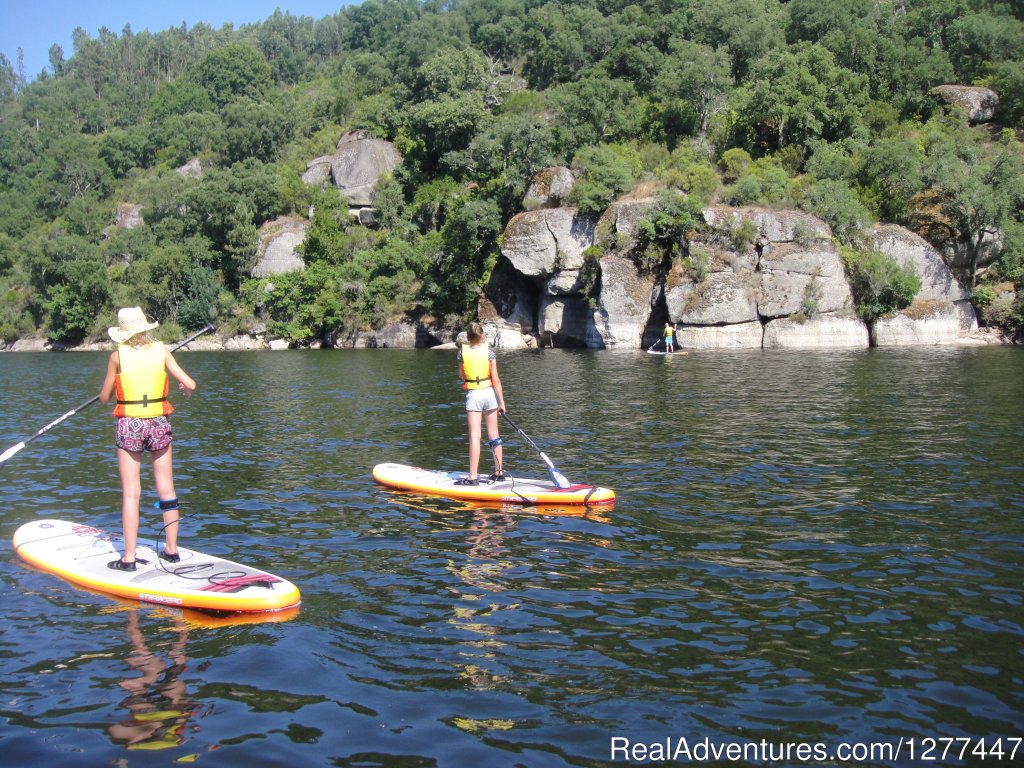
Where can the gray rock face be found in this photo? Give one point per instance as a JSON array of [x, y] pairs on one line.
[[719, 299], [551, 187], [787, 288], [735, 336], [923, 322], [318, 171], [359, 162], [193, 169], [547, 241], [276, 252], [832, 330], [796, 279], [566, 321], [773, 226], [980, 103], [129, 216], [910, 250], [624, 306]]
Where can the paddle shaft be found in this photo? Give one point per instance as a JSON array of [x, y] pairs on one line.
[[15, 448], [557, 477]]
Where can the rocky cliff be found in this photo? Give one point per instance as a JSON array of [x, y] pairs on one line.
[[783, 287]]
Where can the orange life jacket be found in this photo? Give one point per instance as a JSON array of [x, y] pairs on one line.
[[142, 384]]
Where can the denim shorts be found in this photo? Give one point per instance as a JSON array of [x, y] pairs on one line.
[[481, 399], [136, 435]]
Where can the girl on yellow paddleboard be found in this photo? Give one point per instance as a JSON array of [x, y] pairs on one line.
[[137, 374], [478, 368]]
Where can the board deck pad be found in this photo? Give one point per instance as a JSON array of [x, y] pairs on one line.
[[514, 490], [80, 553]]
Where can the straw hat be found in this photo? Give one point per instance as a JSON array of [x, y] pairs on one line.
[[130, 321]]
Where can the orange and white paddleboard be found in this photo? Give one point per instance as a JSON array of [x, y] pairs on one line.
[[80, 553], [512, 490]]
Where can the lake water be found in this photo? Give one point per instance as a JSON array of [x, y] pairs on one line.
[[811, 554]]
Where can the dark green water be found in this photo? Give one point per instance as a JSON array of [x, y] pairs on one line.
[[807, 548]]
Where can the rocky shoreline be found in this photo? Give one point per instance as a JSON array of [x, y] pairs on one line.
[[396, 336]]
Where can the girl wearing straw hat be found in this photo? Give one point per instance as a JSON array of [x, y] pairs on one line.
[[137, 375]]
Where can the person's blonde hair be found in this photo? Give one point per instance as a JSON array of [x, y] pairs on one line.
[[139, 340], [475, 333]]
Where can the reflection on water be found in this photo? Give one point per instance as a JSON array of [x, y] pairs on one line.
[[157, 703], [805, 547]]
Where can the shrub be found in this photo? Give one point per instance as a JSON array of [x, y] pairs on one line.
[[879, 284]]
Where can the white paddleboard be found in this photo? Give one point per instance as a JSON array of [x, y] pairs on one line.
[[512, 490], [80, 553]]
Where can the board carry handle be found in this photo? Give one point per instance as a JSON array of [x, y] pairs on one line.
[[15, 448]]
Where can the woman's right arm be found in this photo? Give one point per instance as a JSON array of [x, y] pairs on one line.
[[107, 390]]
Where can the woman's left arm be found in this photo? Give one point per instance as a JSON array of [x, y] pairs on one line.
[[186, 382]]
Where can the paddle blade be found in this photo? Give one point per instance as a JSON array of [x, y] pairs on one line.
[[556, 477], [559, 479], [11, 451]]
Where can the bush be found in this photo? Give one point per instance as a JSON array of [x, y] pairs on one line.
[[879, 284]]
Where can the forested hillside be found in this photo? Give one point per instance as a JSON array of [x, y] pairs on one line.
[[821, 105]]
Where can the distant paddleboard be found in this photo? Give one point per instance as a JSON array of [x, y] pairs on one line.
[[80, 553], [663, 352], [512, 490]]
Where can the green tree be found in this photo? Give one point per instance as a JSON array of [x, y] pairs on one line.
[[122, 150], [838, 205], [800, 94], [747, 29], [511, 150], [257, 130], [232, 71], [602, 174], [178, 97], [593, 110], [980, 187], [697, 75], [72, 278], [892, 173]]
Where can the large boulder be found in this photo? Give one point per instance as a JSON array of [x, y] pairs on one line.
[[772, 226], [129, 216], [941, 312], [276, 252], [720, 298], [623, 216], [193, 169], [318, 171], [926, 321], [547, 241], [910, 250], [359, 162], [550, 188], [980, 104]]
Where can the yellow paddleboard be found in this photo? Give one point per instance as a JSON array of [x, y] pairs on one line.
[[512, 490], [80, 553]]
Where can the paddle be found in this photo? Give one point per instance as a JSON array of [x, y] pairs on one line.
[[15, 448], [556, 477]]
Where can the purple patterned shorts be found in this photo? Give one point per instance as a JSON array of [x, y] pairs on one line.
[[136, 435]]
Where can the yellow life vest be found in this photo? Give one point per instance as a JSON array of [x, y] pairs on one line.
[[476, 366], [142, 383]]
